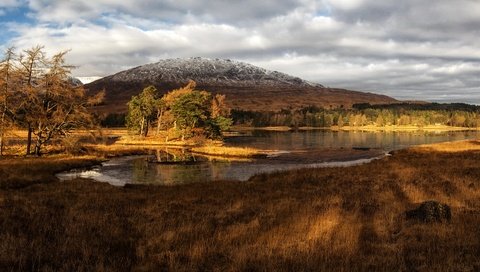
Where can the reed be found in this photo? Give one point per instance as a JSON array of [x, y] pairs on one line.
[[227, 151]]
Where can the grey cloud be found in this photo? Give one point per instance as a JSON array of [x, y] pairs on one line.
[[413, 49], [177, 12]]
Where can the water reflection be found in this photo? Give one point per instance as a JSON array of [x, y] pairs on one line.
[[390, 140], [173, 155], [168, 166]]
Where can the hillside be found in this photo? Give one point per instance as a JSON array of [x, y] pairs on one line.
[[247, 86]]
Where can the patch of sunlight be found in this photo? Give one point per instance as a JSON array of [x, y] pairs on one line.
[[322, 227], [239, 230], [346, 235], [456, 146]]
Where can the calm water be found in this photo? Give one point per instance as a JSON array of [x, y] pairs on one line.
[[319, 148]]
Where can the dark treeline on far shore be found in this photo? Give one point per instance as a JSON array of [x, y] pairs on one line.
[[407, 114], [460, 115]]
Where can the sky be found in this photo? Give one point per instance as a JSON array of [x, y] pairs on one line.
[[411, 49]]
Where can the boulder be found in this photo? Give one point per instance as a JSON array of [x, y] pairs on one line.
[[430, 212]]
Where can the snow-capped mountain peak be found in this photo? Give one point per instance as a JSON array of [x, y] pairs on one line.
[[207, 71]]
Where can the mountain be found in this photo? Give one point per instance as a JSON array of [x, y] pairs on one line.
[[246, 86]]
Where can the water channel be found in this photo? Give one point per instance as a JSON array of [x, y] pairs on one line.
[[316, 148]]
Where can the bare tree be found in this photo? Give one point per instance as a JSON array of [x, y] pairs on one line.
[[32, 67], [58, 105], [7, 85]]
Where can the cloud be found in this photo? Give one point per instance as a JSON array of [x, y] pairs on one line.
[[10, 3], [231, 12], [412, 49]]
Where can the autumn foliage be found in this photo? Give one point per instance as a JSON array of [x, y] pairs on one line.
[[38, 94], [186, 111]]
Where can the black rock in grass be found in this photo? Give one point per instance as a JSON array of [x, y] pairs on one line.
[[430, 212]]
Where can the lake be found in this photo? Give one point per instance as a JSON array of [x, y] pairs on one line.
[[295, 149]]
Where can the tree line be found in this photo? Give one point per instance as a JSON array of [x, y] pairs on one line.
[[457, 114], [38, 94], [184, 112], [361, 116]]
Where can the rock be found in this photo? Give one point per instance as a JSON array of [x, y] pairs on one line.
[[430, 211]]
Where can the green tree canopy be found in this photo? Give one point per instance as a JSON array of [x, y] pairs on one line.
[[142, 110], [184, 110]]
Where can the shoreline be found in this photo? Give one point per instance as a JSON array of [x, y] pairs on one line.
[[369, 128], [359, 128]]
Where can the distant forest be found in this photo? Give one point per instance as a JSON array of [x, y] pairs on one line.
[[457, 114], [454, 114]]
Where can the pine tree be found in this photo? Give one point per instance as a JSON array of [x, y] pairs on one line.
[[183, 110], [142, 110], [191, 110]]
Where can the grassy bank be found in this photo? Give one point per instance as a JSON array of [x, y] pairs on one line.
[[310, 219], [22, 172]]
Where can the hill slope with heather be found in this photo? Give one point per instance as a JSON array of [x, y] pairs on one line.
[[247, 87]]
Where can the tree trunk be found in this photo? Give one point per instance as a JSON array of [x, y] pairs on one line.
[[1, 143], [2, 123], [141, 126], [159, 122], [29, 139], [38, 150], [2, 130], [38, 146], [147, 125]]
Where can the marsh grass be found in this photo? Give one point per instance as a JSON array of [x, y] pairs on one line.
[[21, 172], [328, 219], [457, 146], [227, 151]]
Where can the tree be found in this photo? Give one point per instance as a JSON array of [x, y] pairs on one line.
[[38, 94], [58, 105], [169, 99], [32, 65], [340, 121], [219, 117], [161, 107], [191, 110], [8, 84], [183, 110], [142, 110]]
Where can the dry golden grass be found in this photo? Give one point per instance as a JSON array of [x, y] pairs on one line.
[[22, 172], [332, 219], [227, 151], [457, 146], [150, 141]]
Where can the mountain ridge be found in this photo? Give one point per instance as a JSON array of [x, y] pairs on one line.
[[210, 71], [246, 86]]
